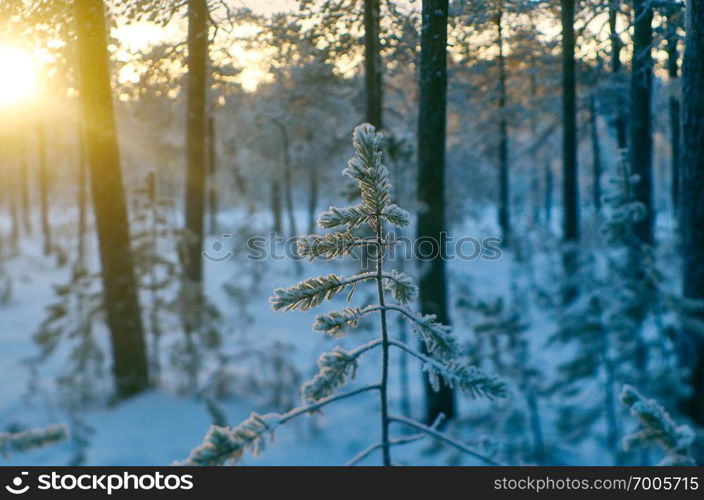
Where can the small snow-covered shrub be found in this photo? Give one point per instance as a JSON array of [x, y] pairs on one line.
[[657, 427], [394, 290]]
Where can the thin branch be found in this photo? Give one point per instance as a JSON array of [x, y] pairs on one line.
[[442, 437], [393, 442]]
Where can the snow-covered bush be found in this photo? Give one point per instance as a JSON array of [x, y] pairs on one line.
[[657, 427], [228, 445]]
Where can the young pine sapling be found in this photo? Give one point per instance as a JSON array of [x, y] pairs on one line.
[[223, 445]]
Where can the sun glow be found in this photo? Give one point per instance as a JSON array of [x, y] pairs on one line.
[[18, 75]]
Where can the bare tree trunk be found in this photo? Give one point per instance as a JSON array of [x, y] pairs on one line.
[[596, 154], [103, 156], [504, 191], [312, 199], [43, 189], [196, 125], [372, 63], [616, 45], [432, 123], [691, 199], [641, 137], [82, 197], [276, 206], [549, 186], [673, 22], [570, 192], [24, 185], [212, 176]]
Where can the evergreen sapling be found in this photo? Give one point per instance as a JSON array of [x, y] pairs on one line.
[[228, 444]]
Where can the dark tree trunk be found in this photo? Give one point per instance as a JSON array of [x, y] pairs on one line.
[[82, 197], [276, 207], [372, 63], [431, 177], [570, 188], [504, 192], [692, 187], [620, 121], [641, 139], [196, 129], [312, 199], [596, 154], [212, 176], [103, 157], [549, 186], [675, 130], [43, 174], [24, 186]]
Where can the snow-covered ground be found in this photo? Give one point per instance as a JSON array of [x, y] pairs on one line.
[[157, 428]]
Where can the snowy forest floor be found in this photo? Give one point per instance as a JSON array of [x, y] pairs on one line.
[[160, 426]]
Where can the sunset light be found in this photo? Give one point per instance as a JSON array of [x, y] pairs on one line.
[[19, 77]]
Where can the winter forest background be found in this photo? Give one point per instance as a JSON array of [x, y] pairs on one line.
[[509, 270]]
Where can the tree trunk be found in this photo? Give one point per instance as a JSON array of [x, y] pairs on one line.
[[549, 186], [24, 186], [82, 197], [616, 45], [312, 199], [570, 192], [196, 125], [372, 63], [212, 176], [641, 139], [673, 23], [596, 154], [504, 192], [103, 157], [276, 207], [431, 178], [692, 187], [43, 189]]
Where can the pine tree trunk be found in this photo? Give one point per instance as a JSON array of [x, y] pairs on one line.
[[549, 186], [43, 189], [596, 154], [312, 199], [82, 180], [504, 192], [641, 138], [24, 186], [103, 157], [692, 187], [196, 129], [276, 207], [570, 192], [675, 130], [620, 121], [212, 176], [372, 64], [431, 178]]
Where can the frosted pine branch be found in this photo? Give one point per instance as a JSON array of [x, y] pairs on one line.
[[14, 442], [468, 379], [336, 369], [330, 246], [338, 323], [401, 286], [369, 171], [658, 428], [349, 217], [312, 292], [223, 445]]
